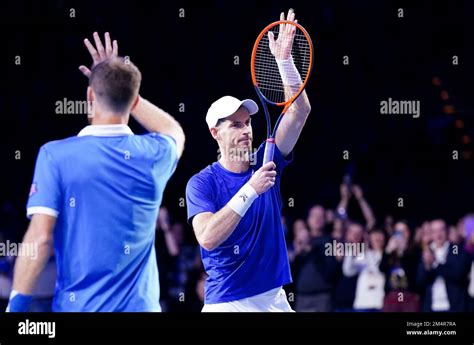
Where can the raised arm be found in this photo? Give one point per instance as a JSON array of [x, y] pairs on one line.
[[364, 206], [294, 120], [151, 117], [154, 119]]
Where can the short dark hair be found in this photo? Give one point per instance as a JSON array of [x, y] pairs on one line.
[[116, 83]]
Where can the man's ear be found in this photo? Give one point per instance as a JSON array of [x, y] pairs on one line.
[[214, 132], [90, 94], [135, 102]]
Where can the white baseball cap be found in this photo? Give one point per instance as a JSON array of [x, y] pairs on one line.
[[226, 106]]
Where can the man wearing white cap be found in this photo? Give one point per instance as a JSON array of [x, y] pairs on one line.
[[234, 206]]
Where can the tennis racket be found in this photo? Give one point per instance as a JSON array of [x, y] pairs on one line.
[[291, 38]]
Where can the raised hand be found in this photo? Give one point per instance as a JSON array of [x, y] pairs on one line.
[[99, 53], [345, 192], [357, 191], [281, 47]]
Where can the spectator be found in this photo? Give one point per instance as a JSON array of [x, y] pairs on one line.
[[468, 231], [455, 237], [424, 236], [369, 292], [442, 272], [388, 224], [346, 192], [299, 225], [316, 272], [400, 267], [330, 216], [301, 246], [316, 221], [364, 206], [338, 228], [346, 284], [301, 241]]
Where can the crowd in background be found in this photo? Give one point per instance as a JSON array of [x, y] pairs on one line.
[[338, 264], [389, 267]]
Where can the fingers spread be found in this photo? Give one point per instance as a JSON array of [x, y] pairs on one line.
[[85, 71], [271, 37], [99, 46], [92, 51], [115, 49], [108, 45], [282, 26]]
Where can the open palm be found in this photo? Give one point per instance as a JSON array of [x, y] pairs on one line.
[[281, 47]]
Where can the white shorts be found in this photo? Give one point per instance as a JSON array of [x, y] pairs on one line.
[[270, 301]]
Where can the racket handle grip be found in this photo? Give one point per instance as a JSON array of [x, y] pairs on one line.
[[269, 150]]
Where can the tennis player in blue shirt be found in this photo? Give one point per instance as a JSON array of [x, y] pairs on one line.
[[95, 197], [235, 207]]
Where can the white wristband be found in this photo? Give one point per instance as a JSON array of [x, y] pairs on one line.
[[243, 199], [288, 72]]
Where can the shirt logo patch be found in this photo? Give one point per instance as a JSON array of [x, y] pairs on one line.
[[33, 189]]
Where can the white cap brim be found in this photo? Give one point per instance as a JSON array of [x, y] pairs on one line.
[[226, 106]]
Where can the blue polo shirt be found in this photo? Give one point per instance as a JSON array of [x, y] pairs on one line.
[[254, 258], [105, 187]]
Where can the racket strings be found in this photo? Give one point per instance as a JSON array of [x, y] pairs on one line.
[[267, 74]]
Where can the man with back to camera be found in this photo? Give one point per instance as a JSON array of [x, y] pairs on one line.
[[235, 208], [97, 195]]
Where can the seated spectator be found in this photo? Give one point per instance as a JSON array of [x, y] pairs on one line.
[[442, 272]]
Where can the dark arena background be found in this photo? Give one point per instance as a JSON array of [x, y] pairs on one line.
[[413, 167]]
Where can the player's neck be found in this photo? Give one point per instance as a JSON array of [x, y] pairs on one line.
[[109, 119], [233, 165]]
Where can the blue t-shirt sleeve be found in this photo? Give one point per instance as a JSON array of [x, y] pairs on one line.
[[45, 191], [200, 196], [167, 153], [280, 161]]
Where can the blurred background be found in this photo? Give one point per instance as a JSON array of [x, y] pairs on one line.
[[191, 53]]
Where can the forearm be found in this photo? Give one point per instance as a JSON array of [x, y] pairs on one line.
[[301, 106], [154, 119], [367, 212], [342, 206], [292, 83], [28, 269], [218, 228]]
